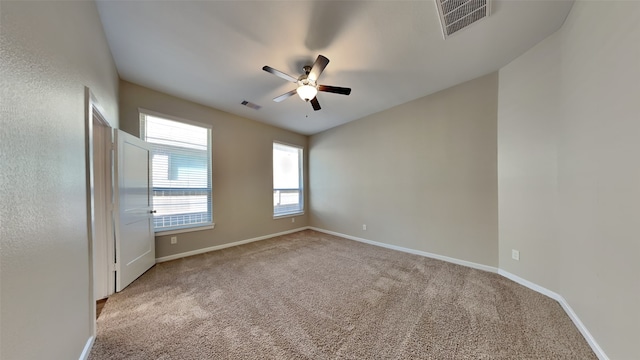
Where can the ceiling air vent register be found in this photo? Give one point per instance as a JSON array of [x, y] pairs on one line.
[[455, 15], [250, 105]]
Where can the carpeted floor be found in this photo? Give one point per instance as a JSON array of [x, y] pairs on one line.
[[309, 295]]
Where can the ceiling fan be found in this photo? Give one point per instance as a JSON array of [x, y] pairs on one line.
[[308, 85]]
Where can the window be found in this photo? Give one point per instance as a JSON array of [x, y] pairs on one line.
[[181, 171], [287, 180]]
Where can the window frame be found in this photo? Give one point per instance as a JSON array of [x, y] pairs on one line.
[[197, 227], [301, 187]]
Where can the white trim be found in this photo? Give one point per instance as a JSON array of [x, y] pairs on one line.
[[535, 287], [224, 246], [90, 103], [142, 111], [530, 285], [143, 122], [565, 305], [185, 230], [87, 348], [301, 147], [301, 178], [288, 215], [94, 112], [412, 251]]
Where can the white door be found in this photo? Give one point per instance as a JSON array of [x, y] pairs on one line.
[[135, 242]]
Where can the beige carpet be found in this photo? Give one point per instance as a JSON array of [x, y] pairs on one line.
[[310, 295]]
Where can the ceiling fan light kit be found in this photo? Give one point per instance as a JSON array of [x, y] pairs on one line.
[[307, 83], [307, 92]]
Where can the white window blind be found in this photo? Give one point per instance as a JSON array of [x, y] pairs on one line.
[[287, 180], [181, 172]]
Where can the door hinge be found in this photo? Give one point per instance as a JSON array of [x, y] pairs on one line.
[[114, 267]]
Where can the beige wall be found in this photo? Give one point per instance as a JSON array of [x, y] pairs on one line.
[[49, 51], [242, 169], [422, 175], [569, 174]]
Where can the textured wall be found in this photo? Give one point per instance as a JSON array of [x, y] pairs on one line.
[[242, 169], [422, 175], [569, 180], [49, 51]]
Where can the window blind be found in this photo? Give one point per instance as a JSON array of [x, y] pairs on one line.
[[287, 180], [181, 172]]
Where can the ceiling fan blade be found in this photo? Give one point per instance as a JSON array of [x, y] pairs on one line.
[[315, 104], [318, 67], [334, 89], [285, 96], [279, 74]]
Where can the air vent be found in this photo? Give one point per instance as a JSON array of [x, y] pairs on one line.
[[455, 15], [251, 105]]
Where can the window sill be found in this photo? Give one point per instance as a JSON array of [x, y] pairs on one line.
[[185, 230], [288, 215]]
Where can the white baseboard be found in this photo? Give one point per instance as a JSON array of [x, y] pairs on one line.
[[224, 246], [412, 251], [535, 287], [565, 305], [87, 348]]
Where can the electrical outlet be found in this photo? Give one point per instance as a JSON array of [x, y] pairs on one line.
[[364, 226], [515, 254], [293, 220], [174, 240]]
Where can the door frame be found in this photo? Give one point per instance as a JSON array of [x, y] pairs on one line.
[[103, 190], [94, 112]]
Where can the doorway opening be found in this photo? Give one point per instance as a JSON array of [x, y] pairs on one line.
[[100, 229]]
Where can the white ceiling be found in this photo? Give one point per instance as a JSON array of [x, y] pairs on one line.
[[388, 52]]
